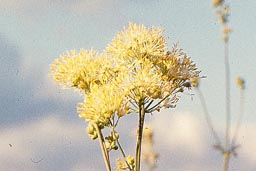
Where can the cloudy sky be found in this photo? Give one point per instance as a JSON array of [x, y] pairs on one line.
[[39, 126]]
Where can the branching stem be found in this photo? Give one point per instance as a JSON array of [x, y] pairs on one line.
[[208, 117], [123, 154], [152, 108]]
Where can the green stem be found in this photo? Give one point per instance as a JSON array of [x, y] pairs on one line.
[[139, 137], [103, 148]]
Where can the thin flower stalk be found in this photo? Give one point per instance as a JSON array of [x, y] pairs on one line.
[[226, 159], [139, 136], [120, 147], [103, 148], [227, 78], [227, 153], [208, 119], [229, 147], [123, 154], [241, 84]]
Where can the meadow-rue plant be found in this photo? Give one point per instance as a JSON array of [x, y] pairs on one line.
[[135, 74], [229, 145]]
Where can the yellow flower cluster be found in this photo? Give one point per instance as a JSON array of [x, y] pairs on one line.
[[240, 83], [222, 12], [138, 42], [136, 67], [110, 141], [124, 165], [91, 131], [217, 2], [76, 69], [101, 103], [153, 71]]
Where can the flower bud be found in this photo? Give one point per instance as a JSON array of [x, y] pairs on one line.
[[240, 82]]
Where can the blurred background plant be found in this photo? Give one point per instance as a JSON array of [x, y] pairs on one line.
[[227, 145], [149, 154]]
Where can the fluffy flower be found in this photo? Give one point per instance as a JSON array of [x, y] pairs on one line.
[[143, 80], [101, 103], [137, 41], [82, 69], [76, 69], [136, 67], [151, 71]]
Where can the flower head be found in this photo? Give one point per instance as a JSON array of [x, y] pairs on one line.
[[83, 69], [124, 165], [101, 103], [240, 83], [222, 12], [137, 41], [151, 71], [217, 2], [76, 69]]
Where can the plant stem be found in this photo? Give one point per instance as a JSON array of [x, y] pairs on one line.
[[239, 120], [139, 137], [152, 108], [228, 117], [103, 148], [123, 154], [226, 157], [208, 118]]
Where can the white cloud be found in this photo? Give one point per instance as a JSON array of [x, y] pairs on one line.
[[179, 130], [44, 144], [53, 143], [247, 139], [185, 138]]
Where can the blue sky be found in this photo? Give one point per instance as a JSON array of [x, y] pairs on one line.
[[39, 119]]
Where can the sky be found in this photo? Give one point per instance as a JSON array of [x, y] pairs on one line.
[[39, 127]]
